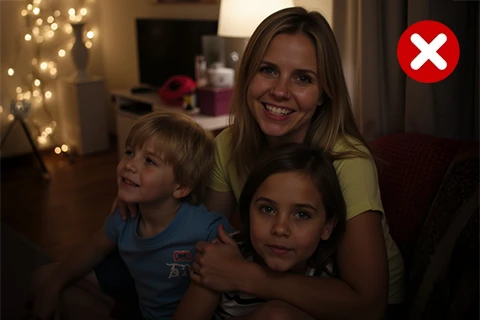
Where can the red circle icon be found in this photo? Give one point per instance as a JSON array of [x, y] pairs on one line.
[[428, 51]]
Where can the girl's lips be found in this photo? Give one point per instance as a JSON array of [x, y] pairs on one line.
[[279, 249]]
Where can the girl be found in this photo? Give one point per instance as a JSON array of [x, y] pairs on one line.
[[293, 216]]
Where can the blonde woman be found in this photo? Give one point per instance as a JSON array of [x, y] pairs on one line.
[[290, 87]]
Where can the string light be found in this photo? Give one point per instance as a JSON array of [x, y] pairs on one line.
[[43, 27]]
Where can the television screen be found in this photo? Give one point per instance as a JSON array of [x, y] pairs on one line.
[[168, 47]]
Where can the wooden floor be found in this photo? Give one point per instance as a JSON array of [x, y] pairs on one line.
[[59, 214]]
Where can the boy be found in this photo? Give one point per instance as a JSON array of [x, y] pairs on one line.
[[167, 161]]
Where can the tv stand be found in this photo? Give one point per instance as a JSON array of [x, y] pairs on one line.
[[131, 106]]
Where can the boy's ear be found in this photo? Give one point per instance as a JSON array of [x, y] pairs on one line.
[[328, 228], [181, 191]]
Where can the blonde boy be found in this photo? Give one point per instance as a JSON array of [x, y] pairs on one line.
[[167, 161]]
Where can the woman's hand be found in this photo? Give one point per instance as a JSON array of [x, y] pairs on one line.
[[125, 208], [217, 265]]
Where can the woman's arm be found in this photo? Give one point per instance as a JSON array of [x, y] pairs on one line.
[[360, 293], [198, 303], [220, 202]]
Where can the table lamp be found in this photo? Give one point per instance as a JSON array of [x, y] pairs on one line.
[[239, 18]]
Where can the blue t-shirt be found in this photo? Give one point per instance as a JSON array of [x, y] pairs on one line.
[[160, 264]]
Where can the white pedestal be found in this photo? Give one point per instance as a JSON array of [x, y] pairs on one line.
[[82, 114]]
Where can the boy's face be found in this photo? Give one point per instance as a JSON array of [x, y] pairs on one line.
[[143, 177]]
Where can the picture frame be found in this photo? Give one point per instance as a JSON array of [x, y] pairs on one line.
[[186, 1]]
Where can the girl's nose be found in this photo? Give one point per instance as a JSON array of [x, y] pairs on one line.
[[280, 227]]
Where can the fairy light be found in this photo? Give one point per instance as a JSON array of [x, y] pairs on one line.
[[39, 22], [48, 130], [57, 150], [37, 82], [29, 7], [10, 72], [24, 13], [90, 34], [54, 26], [43, 65], [28, 37], [61, 53], [64, 148], [48, 94], [88, 44], [83, 12], [36, 11], [18, 90], [42, 140], [50, 19], [10, 117]]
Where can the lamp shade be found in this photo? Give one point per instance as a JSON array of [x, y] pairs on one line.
[[239, 18]]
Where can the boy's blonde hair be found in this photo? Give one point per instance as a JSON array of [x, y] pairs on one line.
[[182, 143]]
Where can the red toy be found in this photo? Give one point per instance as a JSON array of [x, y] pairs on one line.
[[173, 90]]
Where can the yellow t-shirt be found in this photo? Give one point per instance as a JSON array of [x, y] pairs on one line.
[[359, 182]]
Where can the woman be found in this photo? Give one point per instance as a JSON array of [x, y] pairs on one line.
[[290, 87]]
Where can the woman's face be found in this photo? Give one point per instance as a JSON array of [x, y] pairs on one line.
[[284, 93]]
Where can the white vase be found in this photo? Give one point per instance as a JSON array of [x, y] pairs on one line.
[[79, 53]]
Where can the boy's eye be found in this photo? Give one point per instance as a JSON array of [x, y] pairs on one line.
[[302, 215], [128, 152], [266, 209], [150, 161]]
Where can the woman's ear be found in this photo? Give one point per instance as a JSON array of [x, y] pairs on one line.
[[328, 229]]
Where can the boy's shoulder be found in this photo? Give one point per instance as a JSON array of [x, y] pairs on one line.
[[200, 218]]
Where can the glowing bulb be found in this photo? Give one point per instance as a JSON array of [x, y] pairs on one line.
[[64, 148], [48, 130], [24, 12], [30, 7], [83, 11], [57, 13], [71, 11], [90, 34], [51, 64], [50, 19], [88, 44], [54, 26], [48, 94], [54, 124], [37, 2], [39, 39], [42, 140], [34, 61], [43, 65], [10, 72], [39, 22], [36, 10], [61, 53], [18, 90], [68, 28], [57, 150], [50, 33], [28, 37], [10, 117], [36, 31], [37, 82], [53, 71], [27, 95], [36, 93]]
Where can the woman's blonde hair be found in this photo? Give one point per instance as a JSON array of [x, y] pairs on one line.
[[181, 143], [333, 118]]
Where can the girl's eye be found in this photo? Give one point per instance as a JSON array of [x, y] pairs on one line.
[[266, 209], [150, 161], [302, 215], [267, 70]]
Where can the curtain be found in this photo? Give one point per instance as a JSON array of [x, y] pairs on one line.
[[384, 99]]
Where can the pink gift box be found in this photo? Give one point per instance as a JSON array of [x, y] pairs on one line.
[[214, 101]]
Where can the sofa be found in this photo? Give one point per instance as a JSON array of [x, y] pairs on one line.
[[429, 188]]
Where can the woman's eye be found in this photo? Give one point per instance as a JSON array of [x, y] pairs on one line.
[[304, 79], [302, 215], [266, 209], [267, 70]]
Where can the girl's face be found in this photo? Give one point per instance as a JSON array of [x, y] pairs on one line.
[[287, 221], [284, 93], [143, 177]]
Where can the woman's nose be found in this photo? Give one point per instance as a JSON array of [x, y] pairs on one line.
[[281, 89]]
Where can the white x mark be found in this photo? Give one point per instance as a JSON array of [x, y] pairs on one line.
[[428, 51]]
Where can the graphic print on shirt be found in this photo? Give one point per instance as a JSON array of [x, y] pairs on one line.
[[178, 269]]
